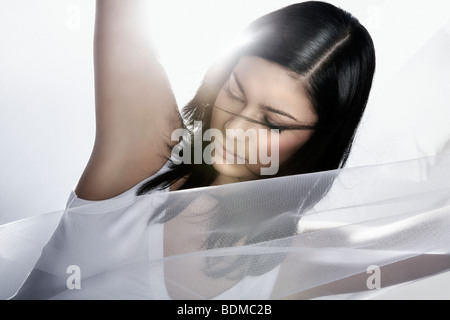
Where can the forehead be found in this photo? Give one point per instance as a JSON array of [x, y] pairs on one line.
[[256, 66], [269, 83]]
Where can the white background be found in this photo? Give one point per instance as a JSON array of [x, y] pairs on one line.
[[47, 119]]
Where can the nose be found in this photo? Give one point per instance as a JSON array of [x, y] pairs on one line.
[[241, 120]]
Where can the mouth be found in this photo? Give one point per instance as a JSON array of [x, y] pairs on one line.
[[225, 154]]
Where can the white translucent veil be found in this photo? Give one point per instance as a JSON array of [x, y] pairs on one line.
[[237, 241], [353, 233]]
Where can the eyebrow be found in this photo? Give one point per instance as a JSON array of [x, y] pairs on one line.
[[270, 109], [262, 106]]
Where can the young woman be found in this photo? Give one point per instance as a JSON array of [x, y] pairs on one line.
[[302, 77], [305, 70]]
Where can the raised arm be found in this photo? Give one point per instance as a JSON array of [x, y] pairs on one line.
[[135, 108]]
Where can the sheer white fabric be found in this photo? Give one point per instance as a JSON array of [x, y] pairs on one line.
[[238, 242]]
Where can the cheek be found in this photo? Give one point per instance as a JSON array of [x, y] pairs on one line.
[[218, 118], [214, 120], [289, 145]]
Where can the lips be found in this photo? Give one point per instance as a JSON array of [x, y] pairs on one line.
[[223, 152]]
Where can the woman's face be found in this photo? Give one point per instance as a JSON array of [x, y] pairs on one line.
[[258, 95]]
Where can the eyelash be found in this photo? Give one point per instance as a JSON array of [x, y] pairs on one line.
[[271, 125], [232, 96], [266, 122]]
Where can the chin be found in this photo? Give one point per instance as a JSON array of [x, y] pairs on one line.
[[237, 171]]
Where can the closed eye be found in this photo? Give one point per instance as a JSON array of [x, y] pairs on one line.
[[269, 124], [273, 126], [232, 96]]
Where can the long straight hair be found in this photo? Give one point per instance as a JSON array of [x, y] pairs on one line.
[[334, 56]]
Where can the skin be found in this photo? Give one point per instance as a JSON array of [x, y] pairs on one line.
[[131, 87], [254, 84], [260, 90]]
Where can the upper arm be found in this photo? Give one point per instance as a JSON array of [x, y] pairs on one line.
[[135, 107]]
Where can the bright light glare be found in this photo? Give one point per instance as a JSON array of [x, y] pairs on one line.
[[190, 35]]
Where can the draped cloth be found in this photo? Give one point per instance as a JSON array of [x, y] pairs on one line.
[[349, 233]]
